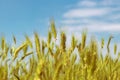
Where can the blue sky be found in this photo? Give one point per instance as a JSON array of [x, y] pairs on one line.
[[26, 16], [100, 17]]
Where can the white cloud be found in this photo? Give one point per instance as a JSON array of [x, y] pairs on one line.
[[87, 3], [100, 16], [114, 17], [93, 27], [96, 16], [79, 13], [80, 21], [104, 27], [109, 2]]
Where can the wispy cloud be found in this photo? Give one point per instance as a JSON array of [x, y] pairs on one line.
[[115, 17], [87, 3], [96, 16], [78, 13], [109, 2], [98, 27]]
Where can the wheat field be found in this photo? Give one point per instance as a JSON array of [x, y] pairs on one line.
[[45, 60]]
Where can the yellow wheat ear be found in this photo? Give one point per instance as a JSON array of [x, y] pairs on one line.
[[49, 37], [110, 38], [84, 36], [115, 48], [73, 42], [27, 54], [37, 44], [102, 43], [3, 43], [14, 39], [29, 41], [63, 41], [18, 50], [53, 29]]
